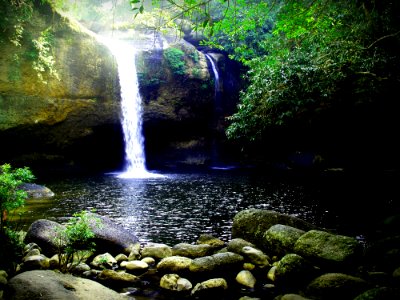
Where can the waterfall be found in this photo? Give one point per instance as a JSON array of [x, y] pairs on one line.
[[216, 162], [131, 104], [217, 83]]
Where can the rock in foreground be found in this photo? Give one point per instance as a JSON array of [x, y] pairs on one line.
[[49, 285]]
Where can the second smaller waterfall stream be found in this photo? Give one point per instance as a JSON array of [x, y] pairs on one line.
[[216, 79]]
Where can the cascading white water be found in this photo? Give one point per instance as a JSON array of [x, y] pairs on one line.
[[131, 103], [216, 162], [216, 74]]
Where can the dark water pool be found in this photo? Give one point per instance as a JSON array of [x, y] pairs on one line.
[[179, 207]]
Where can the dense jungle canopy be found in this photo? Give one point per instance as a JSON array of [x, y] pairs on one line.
[[322, 66]]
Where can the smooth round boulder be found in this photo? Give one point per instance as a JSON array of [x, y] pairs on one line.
[[156, 250], [115, 279], [251, 224], [208, 239], [110, 236], [50, 285], [104, 261], [213, 288], [174, 264], [191, 251], [174, 282], [44, 233], [246, 278], [136, 265], [332, 286], [36, 191]]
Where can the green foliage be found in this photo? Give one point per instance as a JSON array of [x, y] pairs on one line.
[[15, 16], [175, 59], [14, 73], [241, 29], [11, 249], [196, 72], [42, 55], [185, 9], [320, 55], [194, 56], [304, 58], [11, 198], [76, 239]]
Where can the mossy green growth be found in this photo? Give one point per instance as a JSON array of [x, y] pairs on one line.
[[175, 59], [14, 72], [194, 56], [43, 55], [17, 17], [196, 72]]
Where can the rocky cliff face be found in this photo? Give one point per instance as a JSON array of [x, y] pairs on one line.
[[60, 98], [178, 93], [59, 94]]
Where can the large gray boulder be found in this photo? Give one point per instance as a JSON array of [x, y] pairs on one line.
[[174, 264], [329, 250], [156, 250], [109, 236], [35, 191], [293, 271], [251, 224], [332, 286], [280, 239], [49, 285], [213, 288], [114, 279], [236, 245], [192, 251], [216, 263], [44, 233], [112, 237], [379, 293], [174, 282]]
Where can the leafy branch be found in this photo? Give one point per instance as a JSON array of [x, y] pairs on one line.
[[382, 38], [75, 240]]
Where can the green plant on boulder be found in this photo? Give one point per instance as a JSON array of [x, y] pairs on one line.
[[15, 18], [175, 59], [75, 240], [194, 55], [41, 54]]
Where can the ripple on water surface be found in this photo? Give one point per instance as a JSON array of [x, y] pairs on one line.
[[179, 207]]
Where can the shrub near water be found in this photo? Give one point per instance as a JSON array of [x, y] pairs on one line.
[[74, 241], [11, 198]]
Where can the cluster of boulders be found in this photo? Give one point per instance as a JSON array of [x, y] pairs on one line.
[[270, 256]]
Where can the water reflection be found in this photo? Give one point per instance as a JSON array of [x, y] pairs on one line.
[[179, 207]]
